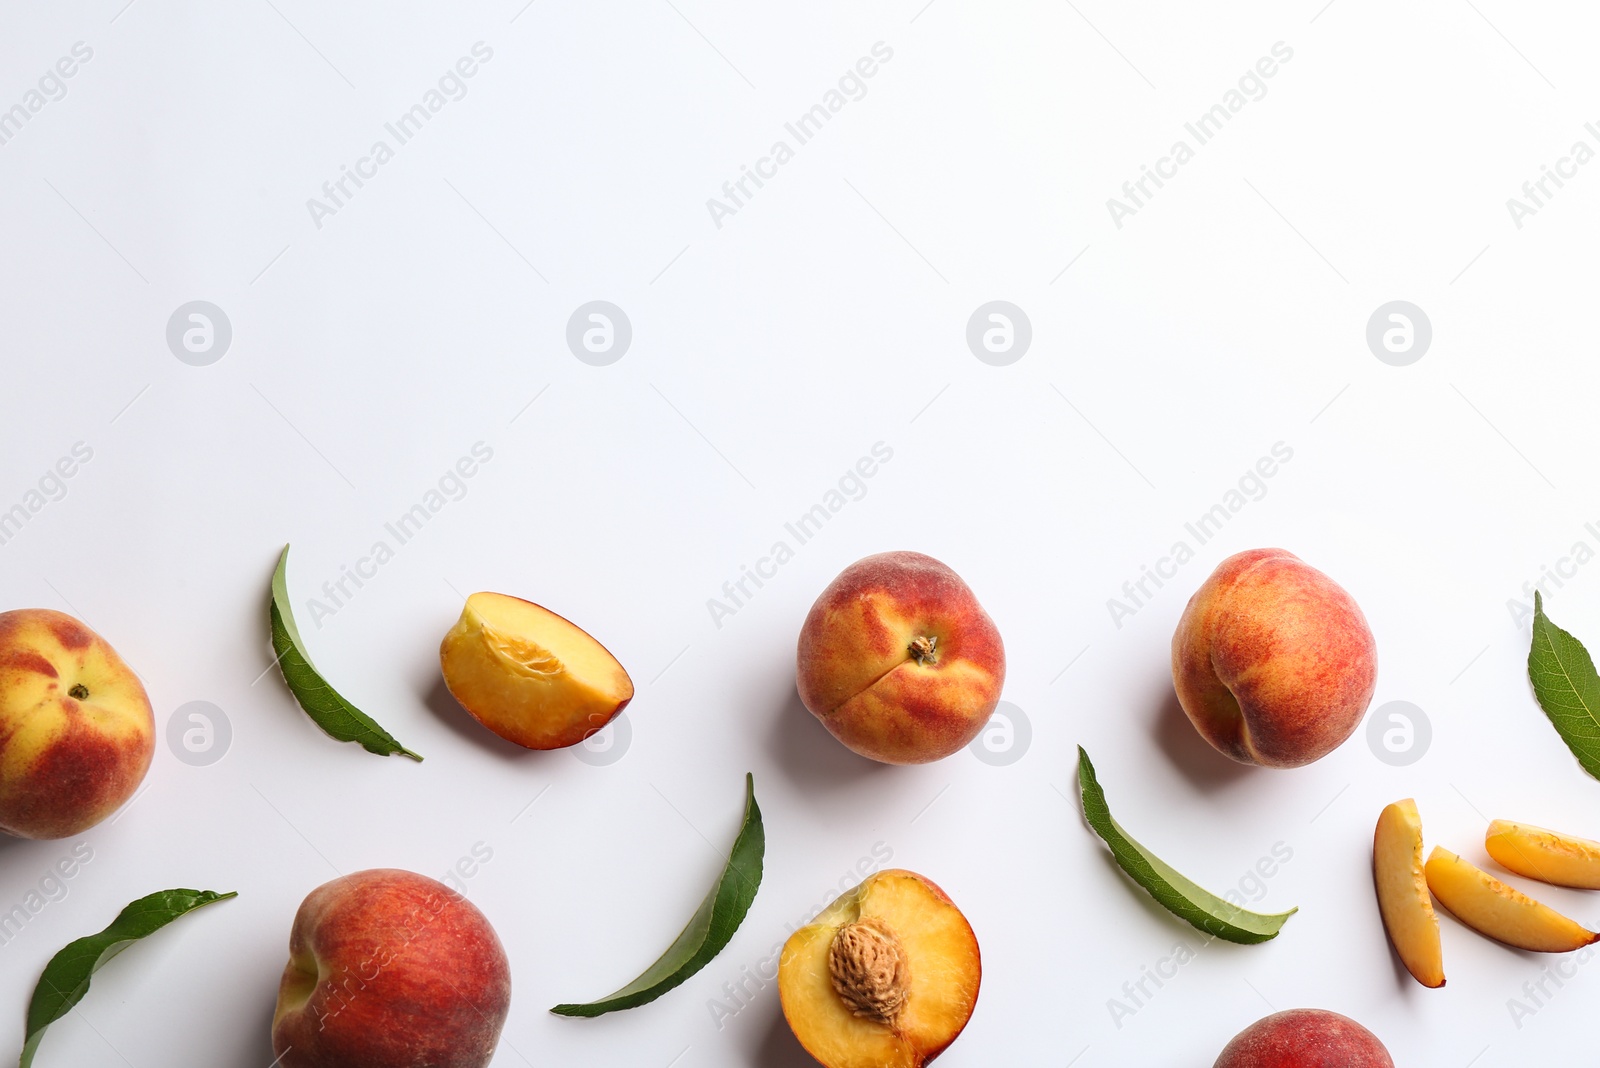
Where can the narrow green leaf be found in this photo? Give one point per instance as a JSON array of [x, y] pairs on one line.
[[1172, 891], [337, 717], [711, 929], [66, 977], [1565, 683]]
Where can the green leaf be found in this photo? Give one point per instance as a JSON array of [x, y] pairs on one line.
[[66, 977], [1172, 891], [711, 929], [1567, 687], [337, 717]]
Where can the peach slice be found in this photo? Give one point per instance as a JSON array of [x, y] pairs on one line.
[[1549, 856], [1403, 892], [1490, 907], [529, 675], [886, 977]]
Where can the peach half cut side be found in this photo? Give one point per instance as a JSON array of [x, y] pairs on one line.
[[886, 977], [529, 675]]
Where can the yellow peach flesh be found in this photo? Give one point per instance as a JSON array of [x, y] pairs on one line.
[[529, 675], [1505, 914], [1549, 856], [942, 968], [1403, 896]]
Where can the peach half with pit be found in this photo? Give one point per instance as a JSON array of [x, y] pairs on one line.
[[885, 977]]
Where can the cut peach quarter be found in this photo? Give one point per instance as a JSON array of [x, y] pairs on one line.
[[1490, 907], [1549, 856], [886, 977], [1403, 892], [529, 675]]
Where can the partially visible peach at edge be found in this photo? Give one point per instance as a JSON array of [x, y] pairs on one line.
[[1305, 1038], [77, 733]]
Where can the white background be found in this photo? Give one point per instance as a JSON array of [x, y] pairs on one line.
[[768, 355]]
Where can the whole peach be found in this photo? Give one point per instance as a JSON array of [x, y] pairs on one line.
[[1273, 661], [390, 969], [899, 660], [76, 730], [1305, 1038]]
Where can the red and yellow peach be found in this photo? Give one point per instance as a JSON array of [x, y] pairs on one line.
[[899, 660], [1272, 661], [390, 969], [76, 731]]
